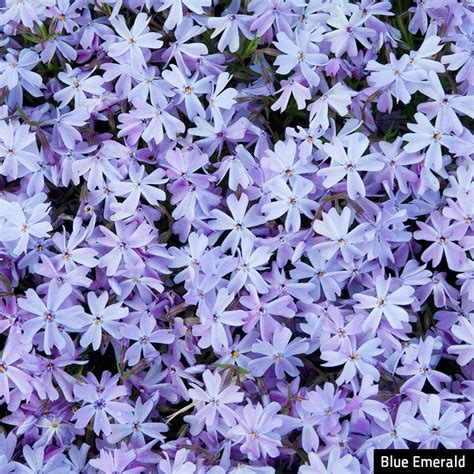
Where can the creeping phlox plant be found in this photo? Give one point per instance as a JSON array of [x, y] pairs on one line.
[[235, 235]]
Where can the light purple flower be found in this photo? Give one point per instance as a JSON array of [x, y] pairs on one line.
[[280, 353], [215, 399], [52, 316], [255, 430], [292, 201], [348, 164], [385, 303], [99, 403], [464, 331], [434, 427], [102, 317], [301, 52], [444, 235], [137, 427], [133, 43], [9, 373]]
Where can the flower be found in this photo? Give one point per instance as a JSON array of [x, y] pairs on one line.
[[188, 89], [323, 274], [444, 106], [53, 315], [338, 98], [279, 353], [139, 185], [335, 227], [292, 201], [425, 135], [346, 464], [443, 235], [137, 427], [229, 25], [396, 77], [421, 369], [240, 222], [348, 163], [102, 318], [303, 52], [146, 335], [347, 32], [17, 70], [79, 83], [133, 43], [249, 266], [99, 403], [215, 320], [464, 331], [354, 359], [179, 465], [113, 461], [215, 400], [17, 147], [23, 224], [434, 428], [325, 406], [9, 373], [255, 430], [385, 303], [123, 244], [175, 15]]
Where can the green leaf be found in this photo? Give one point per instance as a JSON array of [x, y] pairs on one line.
[[230, 366], [31, 38], [22, 113], [405, 34], [250, 48], [44, 30]]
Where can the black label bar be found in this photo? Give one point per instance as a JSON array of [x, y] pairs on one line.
[[424, 461]]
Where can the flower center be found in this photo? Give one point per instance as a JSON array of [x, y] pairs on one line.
[[99, 404]]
